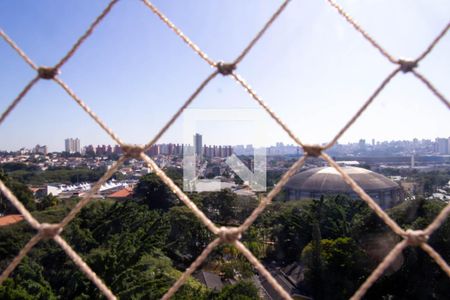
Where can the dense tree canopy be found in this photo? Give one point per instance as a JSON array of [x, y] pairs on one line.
[[21, 191], [122, 242], [33, 175], [154, 193], [343, 265], [139, 247]]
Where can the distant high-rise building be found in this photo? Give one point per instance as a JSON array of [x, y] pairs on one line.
[[89, 150], [117, 150], [164, 149], [72, 145], [40, 149], [23, 151], [100, 150], [442, 145], [198, 144], [179, 149], [170, 148], [217, 151], [77, 145], [154, 150], [362, 144], [68, 145]]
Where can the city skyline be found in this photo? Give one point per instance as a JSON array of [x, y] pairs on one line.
[[316, 82], [327, 191], [76, 143]]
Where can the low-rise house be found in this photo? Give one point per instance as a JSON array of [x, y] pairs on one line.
[[211, 280], [124, 193], [10, 219]]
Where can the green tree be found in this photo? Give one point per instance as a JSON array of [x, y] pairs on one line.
[[242, 290], [419, 277], [154, 193], [21, 191], [27, 283], [47, 202], [220, 206], [187, 237], [9, 290], [344, 268], [291, 229], [14, 166], [176, 175]]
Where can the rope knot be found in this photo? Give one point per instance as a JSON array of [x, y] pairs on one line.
[[47, 72], [407, 65], [225, 68], [132, 151], [416, 237], [229, 234], [49, 231], [313, 150]]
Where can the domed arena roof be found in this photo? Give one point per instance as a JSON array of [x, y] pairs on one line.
[[328, 180]]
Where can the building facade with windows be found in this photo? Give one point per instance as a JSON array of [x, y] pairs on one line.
[[72, 145]]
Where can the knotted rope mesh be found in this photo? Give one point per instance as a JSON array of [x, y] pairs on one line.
[[230, 235]]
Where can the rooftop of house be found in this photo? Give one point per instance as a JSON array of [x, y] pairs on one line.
[[10, 219], [211, 280], [122, 193]]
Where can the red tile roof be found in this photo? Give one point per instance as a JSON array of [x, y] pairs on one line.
[[10, 219], [123, 193], [34, 189]]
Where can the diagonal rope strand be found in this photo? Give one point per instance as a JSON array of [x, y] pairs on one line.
[[227, 235], [272, 114], [432, 88], [179, 33], [19, 51], [361, 193], [433, 43], [194, 266], [387, 261], [84, 268], [19, 98], [262, 270], [88, 197], [86, 108], [83, 38], [180, 110], [437, 258], [16, 261], [358, 28], [439, 220], [363, 108], [275, 191], [182, 196], [19, 206], [261, 32]]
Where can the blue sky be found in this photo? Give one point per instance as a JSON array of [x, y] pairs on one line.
[[312, 68]]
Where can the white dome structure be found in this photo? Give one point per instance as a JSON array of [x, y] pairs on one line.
[[313, 183]]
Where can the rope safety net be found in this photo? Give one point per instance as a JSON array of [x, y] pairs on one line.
[[230, 235]]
